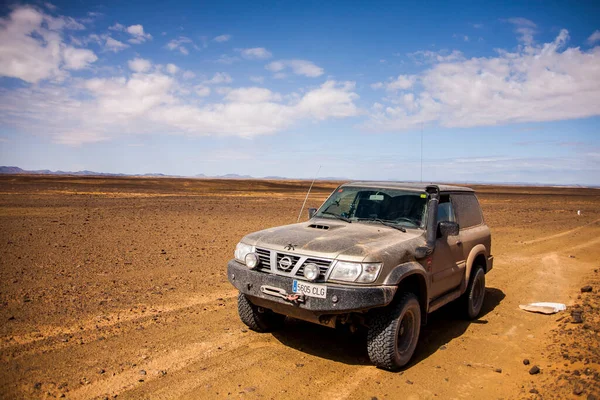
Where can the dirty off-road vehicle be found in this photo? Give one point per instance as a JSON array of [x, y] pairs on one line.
[[380, 254]]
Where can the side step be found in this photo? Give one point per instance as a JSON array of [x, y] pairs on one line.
[[445, 299]]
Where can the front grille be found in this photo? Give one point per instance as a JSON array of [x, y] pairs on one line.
[[294, 260], [265, 260], [265, 264]]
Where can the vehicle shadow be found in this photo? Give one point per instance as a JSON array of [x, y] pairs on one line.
[[341, 345], [448, 323]]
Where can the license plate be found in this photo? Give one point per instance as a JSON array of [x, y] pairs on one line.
[[309, 289]]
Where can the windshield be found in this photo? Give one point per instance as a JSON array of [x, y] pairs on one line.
[[355, 204]]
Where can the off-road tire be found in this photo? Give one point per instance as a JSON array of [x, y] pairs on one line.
[[474, 297], [256, 318], [384, 329]]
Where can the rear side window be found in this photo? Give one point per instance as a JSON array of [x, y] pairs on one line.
[[467, 209]]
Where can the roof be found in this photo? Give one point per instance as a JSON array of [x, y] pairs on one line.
[[408, 185]]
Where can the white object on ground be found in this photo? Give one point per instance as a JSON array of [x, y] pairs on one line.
[[578, 212], [543, 307]]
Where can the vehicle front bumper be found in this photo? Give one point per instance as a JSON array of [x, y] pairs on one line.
[[340, 299]]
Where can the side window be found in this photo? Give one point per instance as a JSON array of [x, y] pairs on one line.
[[445, 210], [468, 211]]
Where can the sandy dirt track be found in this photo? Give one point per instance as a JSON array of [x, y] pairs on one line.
[[117, 287]]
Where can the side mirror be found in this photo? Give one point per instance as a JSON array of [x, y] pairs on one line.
[[448, 228], [311, 212]]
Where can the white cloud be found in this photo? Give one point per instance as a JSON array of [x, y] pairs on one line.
[[172, 69], [117, 27], [594, 37], [427, 56], [257, 79], [256, 53], [148, 102], [222, 38], [299, 67], [219, 78], [188, 75], [202, 91], [402, 82], [138, 34], [525, 28], [33, 48], [114, 45], [139, 65], [536, 83], [252, 95], [78, 58], [180, 44]]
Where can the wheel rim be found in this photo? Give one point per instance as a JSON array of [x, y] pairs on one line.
[[406, 331], [478, 292]]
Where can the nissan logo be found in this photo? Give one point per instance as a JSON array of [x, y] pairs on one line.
[[285, 263]]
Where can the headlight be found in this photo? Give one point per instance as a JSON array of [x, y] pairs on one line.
[[370, 272], [311, 272], [241, 250], [355, 272], [252, 260]]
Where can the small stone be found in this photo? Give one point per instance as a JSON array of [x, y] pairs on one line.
[[586, 289], [162, 372], [409, 382], [576, 316], [142, 372], [534, 370], [374, 398], [526, 361], [11, 318], [299, 365], [534, 391], [578, 390], [37, 386], [498, 370], [101, 371], [244, 330], [443, 347]]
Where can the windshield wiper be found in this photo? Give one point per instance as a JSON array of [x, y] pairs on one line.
[[400, 228], [337, 216]]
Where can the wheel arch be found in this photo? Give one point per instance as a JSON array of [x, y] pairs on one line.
[[411, 277], [477, 256]]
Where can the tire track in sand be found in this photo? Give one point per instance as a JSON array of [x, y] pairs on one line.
[[105, 321], [561, 234], [172, 362]]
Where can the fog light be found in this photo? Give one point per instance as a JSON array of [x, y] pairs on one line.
[[252, 260], [311, 272]]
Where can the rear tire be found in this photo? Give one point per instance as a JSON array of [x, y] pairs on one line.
[[257, 318], [394, 332], [474, 297]]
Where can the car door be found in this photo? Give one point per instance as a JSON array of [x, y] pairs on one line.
[[447, 261]]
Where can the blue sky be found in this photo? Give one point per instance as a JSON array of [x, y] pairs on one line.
[[501, 92]]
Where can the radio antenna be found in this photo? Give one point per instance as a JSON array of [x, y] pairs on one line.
[[421, 152], [307, 193]]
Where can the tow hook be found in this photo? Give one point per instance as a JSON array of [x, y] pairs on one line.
[[281, 293]]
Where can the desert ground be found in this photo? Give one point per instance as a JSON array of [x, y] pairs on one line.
[[117, 287]]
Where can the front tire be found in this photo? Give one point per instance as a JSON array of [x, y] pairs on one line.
[[394, 332], [257, 318], [475, 295]]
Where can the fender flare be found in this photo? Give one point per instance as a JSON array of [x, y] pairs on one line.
[[475, 251], [405, 270]]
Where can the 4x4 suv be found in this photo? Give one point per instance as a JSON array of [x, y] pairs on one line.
[[380, 254]]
